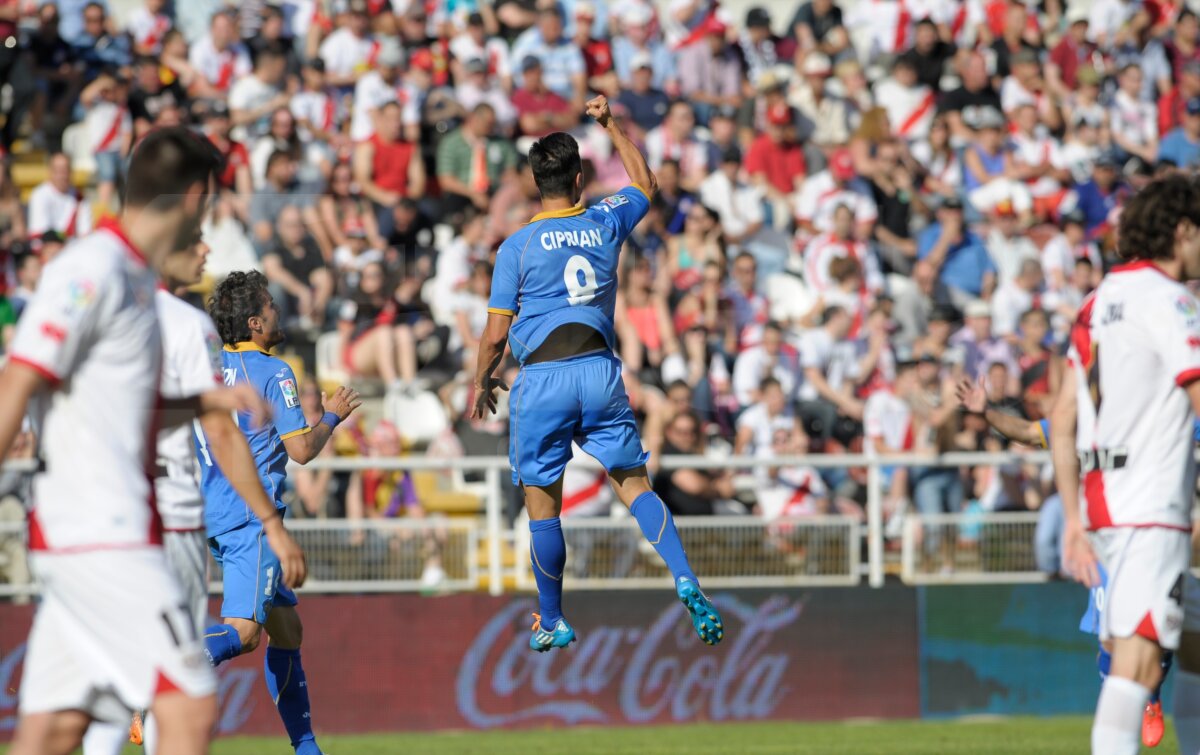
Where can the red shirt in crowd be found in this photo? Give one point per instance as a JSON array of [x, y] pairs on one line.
[[389, 166], [782, 163], [1069, 56], [235, 156], [548, 102]]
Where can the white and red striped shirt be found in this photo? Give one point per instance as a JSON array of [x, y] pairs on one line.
[[53, 210], [107, 126], [345, 54], [315, 108], [910, 110], [820, 195], [148, 29], [827, 247], [887, 420], [220, 68], [92, 331]]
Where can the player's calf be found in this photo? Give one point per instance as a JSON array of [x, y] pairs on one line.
[[185, 724], [1135, 671], [49, 733]]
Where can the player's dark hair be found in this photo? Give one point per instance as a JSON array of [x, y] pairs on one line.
[[1150, 217], [555, 162], [234, 301], [165, 164]]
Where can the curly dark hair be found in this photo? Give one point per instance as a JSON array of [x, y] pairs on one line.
[[1149, 218], [235, 300]]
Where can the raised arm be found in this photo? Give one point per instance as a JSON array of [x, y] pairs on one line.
[[631, 157]]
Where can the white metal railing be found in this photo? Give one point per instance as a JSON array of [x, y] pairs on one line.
[[729, 551], [970, 547], [493, 537]]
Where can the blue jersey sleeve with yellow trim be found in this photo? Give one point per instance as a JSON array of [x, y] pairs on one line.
[[282, 392], [1044, 429], [623, 211], [503, 299]]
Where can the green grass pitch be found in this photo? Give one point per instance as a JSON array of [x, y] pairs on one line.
[[1027, 736]]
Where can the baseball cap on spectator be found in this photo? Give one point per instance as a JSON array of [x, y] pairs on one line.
[[530, 62], [779, 114], [1076, 14], [390, 53], [977, 308], [983, 117], [641, 59], [817, 64], [771, 80], [584, 9], [476, 65], [841, 165], [758, 18], [357, 7], [1108, 159]]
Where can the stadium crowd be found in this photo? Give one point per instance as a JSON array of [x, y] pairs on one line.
[[860, 204]]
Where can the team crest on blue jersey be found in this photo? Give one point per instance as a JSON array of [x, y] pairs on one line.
[[291, 398], [616, 200]]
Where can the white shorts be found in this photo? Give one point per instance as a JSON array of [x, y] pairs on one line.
[[111, 632], [187, 555], [1149, 586]]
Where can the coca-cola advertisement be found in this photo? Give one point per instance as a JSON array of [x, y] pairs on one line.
[[396, 663]]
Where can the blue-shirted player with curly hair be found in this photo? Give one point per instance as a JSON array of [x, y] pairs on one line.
[[553, 293]]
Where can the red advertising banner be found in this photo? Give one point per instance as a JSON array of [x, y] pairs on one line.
[[405, 662]]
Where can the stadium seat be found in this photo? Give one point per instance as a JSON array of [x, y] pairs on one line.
[[77, 146], [420, 417], [328, 367]]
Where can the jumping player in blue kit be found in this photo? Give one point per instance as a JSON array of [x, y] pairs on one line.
[[247, 321], [553, 293], [973, 398]]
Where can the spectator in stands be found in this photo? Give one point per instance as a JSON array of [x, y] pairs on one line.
[[301, 284], [1172, 104], [343, 210], [235, 181], [28, 270], [474, 43], [826, 356], [690, 492], [279, 191], [110, 133], [758, 425], [773, 357], [894, 191], [1016, 297], [839, 243], [57, 78], [148, 24], [825, 119], [643, 320], [98, 49], [376, 344], [750, 306], [689, 251], [710, 72], [1182, 145], [676, 140], [888, 429], [1134, 122], [908, 102], [149, 95], [254, 97], [1007, 246], [981, 347], [645, 105], [814, 24], [957, 255], [312, 162], [381, 86], [740, 207], [475, 85], [540, 110], [1072, 52], [218, 57], [12, 214], [388, 169], [471, 164], [775, 163], [824, 192], [929, 55], [563, 65], [976, 92], [470, 313], [56, 205], [347, 51], [635, 35]]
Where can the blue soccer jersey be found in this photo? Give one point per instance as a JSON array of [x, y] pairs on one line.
[[562, 268], [224, 509]]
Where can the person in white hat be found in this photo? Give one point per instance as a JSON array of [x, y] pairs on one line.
[[636, 35], [381, 86], [1071, 53]]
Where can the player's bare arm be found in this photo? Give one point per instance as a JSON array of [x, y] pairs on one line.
[[631, 157], [18, 382], [491, 351], [232, 454], [1079, 560], [240, 398], [304, 447], [973, 398]]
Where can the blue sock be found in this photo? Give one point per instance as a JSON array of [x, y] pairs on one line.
[[289, 689], [1156, 693], [221, 642], [1103, 663], [548, 554], [659, 528]]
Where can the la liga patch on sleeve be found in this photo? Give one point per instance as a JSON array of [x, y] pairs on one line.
[[616, 200], [291, 397]]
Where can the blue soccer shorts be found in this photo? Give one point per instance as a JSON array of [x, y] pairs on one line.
[[253, 578], [581, 399]]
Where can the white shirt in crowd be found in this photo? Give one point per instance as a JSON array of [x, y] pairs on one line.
[[820, 195], [148, 29], [739, 205], [107, 125], [835, 359], [316, 108], [824, 249], [754, 365], [371, 93], [887, 422], [53, 210], [910, 109], [1135, 120], [220, 68], [249, 93], [344, 53]]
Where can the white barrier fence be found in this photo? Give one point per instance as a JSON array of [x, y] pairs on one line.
[[394, 555]]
